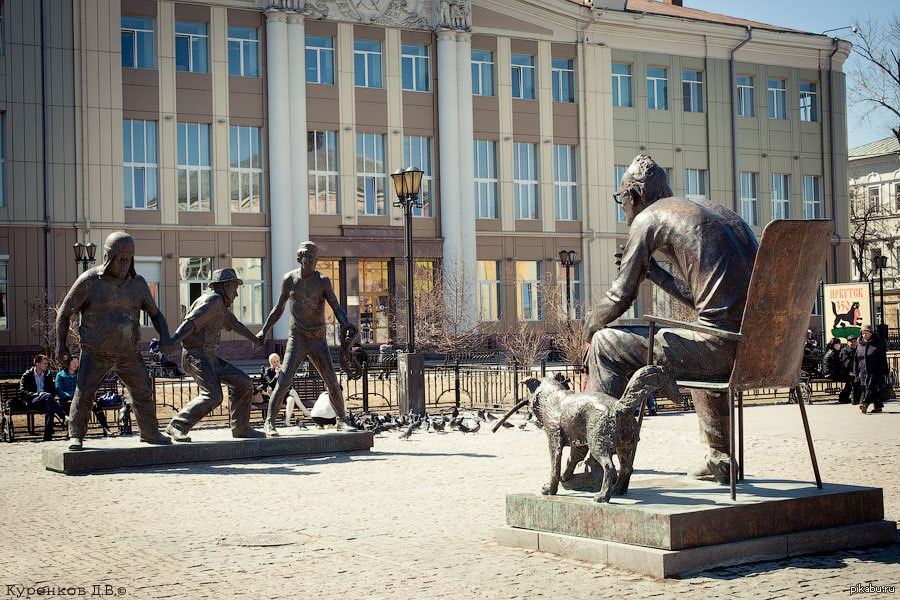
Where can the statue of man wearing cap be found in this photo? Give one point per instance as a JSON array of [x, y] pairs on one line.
[[308, 290], [109, 299], [199, 336]]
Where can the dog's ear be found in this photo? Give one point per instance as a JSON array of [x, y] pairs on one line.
[[531, 383]]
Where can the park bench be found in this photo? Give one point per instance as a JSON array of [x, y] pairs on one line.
[[308, 389]]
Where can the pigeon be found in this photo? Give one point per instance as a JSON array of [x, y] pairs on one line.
[[466, 429], [524, 423], [405, 435], [489, 416], [438, 424], [528, 416], [480, 414], [455, 412], [507, 424]]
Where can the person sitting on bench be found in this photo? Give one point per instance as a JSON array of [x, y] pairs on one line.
[[37, 391], [270, 377], [65, 391]]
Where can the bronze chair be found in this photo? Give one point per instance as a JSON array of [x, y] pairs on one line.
[[783, 289]]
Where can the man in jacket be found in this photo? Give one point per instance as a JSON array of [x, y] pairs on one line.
[[37, 391], [852, 390], [713, 250]]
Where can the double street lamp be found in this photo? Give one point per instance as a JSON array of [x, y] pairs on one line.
[[880, 262], [84, 254], [567, 259], [407, 183]]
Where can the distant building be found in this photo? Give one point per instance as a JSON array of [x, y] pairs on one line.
[[874, 171], [222, 133]]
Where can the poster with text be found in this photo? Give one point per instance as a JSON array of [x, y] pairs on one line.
[[847, 307]]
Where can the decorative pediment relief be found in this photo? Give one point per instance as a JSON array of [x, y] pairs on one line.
[[408, 14]]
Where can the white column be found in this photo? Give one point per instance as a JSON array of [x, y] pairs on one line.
[[448, 138], [299, 169], [283, 251], [466, 137]]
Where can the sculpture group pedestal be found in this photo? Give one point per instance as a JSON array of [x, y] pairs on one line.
[[208, 445], [672, 526]]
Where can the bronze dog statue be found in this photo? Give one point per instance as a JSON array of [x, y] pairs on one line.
[[595, 423]]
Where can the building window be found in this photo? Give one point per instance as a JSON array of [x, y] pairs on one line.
[[140, 164], [320, 59], [874, 194], [137, 43], [621, 84], [563, 78], [618, 173], [482, 73], [574, 289], [809, 107], [417, 152], [485, 179], [246, 170], [781, 196], [657, 88], [523, 76], [322, 161], [896, 186], [744, 96], [4, 294], [695, 183], [528, 290], [488, 277], [191, 47], [812, 197], [692, 89], [525, 181], [194, 167], [565, 183], [414, 59], [749, 209], [2, 158], [370, 174], [367, 63], [243, 51], [331, 269], [248, 307], [151, 271], [194, 274], [777, 106]]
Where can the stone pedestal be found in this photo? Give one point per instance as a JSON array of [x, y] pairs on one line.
[[411, 382], [208, 445], [671, 526]]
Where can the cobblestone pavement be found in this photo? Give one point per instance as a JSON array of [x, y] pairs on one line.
[[410, 519]]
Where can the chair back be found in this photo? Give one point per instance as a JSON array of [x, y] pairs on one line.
[[782, 292]]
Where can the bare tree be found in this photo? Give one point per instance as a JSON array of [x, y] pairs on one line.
[[525, 343], [869, 230], [875, 81], [42, 318], [564, 322]]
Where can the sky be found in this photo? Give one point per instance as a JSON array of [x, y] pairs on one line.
[[816, 16]]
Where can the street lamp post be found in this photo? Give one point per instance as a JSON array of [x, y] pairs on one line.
[[880, 262], [84, 254], [567, 259], [410, 365]]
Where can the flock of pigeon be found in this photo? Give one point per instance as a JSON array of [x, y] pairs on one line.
[[411, 423]]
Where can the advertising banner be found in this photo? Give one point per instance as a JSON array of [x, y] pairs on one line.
[[847, 307]]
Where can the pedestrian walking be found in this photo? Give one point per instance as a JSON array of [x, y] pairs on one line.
[[871, 367]]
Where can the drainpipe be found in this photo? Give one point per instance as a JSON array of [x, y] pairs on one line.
[[45, 119], [734, 156], [837, 244]]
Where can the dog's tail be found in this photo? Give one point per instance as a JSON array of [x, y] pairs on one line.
[[644, 382]]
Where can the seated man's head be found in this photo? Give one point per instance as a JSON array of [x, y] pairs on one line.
[[118, 257], [307, 256], [225, 282], [643, 183]]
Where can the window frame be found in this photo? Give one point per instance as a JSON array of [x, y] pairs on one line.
[[813, 205], [364, 175], [523, 77], [489, 290], [253, 172], [320, 56], [562, 78], [202, 171], [197, 42], [135, 42], [622, 82], [247, 288], [777, 97], [526, 198], [247, 46], [418, 151], [478, 73], [692, 90], [565, 182], [373, 64], [744, 97], [154, 282], [485, 184], [418, 63], [318, 175], [750, 197], [654, 82], [575, 277], [809, 102], [184, 284], [618, 173], [696, 183], [149, 168], [531, 287], [780, 190]]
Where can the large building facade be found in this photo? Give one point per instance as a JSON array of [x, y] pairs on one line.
[[223, 133]]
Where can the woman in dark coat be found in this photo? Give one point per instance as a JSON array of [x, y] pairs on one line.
[[871, 368]]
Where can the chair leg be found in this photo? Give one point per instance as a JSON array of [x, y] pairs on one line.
[[740, 418], [731, 436], [809, 441]]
